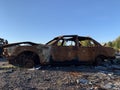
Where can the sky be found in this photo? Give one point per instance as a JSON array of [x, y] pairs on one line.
[[42, 20]]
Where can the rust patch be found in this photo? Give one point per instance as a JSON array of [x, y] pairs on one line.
[[44, 53]]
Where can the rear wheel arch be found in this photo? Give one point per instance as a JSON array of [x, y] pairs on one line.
[[99, 59], [28, 59]]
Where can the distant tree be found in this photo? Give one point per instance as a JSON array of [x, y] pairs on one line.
[[110, 44], [86, 43], [115, 44]]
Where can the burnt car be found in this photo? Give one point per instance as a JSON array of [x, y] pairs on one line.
[[62, 50]]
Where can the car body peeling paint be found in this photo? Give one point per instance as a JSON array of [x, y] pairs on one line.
[[44, 53]]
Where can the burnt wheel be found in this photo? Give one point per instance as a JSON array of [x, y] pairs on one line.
[[29, 63], [27, 60], [99, 60]]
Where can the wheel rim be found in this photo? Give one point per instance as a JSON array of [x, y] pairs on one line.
[[99, 60], [29, 63], [25, 61]]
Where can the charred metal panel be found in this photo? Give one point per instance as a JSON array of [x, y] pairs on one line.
[[106, 51], [21, 49], [86, 53], [62, 53], [14, 48], [44, 53]]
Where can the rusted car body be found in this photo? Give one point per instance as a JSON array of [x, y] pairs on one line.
[[66, 49]]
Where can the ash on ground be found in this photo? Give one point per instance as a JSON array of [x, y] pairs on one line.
[[102, 77]]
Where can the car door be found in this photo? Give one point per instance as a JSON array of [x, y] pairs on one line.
[[61, 53], [87, 52]]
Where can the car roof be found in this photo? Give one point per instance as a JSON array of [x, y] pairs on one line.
[[72, 37], [79, 37]]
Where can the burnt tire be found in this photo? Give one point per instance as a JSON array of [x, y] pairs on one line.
[[29, 63], [26, 60], [99, 60]]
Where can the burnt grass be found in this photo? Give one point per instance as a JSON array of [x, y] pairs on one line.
[[83, 77]]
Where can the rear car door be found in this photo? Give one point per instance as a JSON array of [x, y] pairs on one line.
[[66, 51], [87, 50]]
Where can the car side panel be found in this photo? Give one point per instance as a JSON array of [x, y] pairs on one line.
[[64, 53], [44, 53], [41, 50], [86, 53]]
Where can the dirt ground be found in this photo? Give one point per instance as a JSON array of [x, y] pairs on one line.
[[104, 77]]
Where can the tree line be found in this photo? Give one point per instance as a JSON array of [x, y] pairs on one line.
[[115, 43]]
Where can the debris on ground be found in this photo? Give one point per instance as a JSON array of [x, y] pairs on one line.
[[60, 78]]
